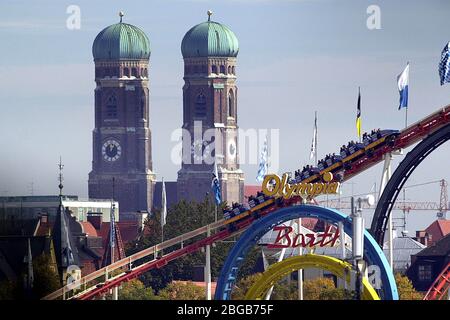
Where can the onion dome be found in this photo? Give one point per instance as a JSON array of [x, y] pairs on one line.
[[209, 39], [121, 41]]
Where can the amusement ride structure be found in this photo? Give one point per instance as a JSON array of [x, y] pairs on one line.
[[252, 223]]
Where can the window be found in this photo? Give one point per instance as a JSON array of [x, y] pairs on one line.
[[231, 104], [222, 69], [134, 72], [232, 70], [143, 108], [126, 72], [213, 69], [229, 69], [200, 106], [111, 107], [425, 272]]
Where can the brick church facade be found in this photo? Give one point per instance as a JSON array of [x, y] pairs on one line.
[[210, 113], [122, 136]]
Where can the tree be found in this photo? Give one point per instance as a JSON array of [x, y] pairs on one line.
[[46, 279], [135, 290], [243, 285], [405, 288], [314, 289], [9, 290], [182, 291]]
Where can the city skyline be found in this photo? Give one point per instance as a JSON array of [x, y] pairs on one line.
[[306, 59]]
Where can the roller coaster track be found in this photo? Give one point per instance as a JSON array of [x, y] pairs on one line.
[[104, 279], [395, 184], [439, 290]]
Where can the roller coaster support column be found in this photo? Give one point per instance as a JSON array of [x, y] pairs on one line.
[[280, 258], [208, 269], [358, 244], [386, 175], [300, 271], [343, 252]]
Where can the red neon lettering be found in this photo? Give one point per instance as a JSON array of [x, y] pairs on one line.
[[278, 241], [283, 240]]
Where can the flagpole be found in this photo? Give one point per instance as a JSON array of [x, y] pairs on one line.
[[406, 117], [406, 111], [315, 147], [163, 210]]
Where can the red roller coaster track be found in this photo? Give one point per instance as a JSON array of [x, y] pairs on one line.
[[439, 290], [101, 281]]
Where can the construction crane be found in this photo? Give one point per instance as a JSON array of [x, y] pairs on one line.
[[440, 207]]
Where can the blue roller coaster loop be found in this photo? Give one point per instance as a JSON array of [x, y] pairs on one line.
[[373, 253]]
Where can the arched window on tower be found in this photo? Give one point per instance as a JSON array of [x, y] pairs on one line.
[[233, 71], [222, 69], [214, 69], [142, 111], [231, 103], [229, 69], [126, 72], [134, 72], [200, 106], [111, 107]]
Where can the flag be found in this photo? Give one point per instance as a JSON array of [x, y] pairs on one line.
[[403, 80], [263, 164], [163, 204], [314, 139], [215, 185], [444, 65], [112, 229], [358, 114]]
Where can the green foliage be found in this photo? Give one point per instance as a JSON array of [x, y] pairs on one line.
[[181, 218], [315, 289], [405, 288], [46, 279], [182, 291], [135, 290], [9, 290], [243, 285]]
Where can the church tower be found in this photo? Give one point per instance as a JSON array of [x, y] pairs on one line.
[[209, 51], [122, 137]]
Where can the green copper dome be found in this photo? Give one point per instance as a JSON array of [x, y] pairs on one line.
[[209, 39], [121, 41]]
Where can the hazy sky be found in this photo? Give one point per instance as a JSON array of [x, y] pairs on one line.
[[295, 57]]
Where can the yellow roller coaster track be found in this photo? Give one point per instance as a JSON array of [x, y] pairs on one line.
[[281, 269]]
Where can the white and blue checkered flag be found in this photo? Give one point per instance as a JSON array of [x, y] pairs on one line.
[[444, 67], [215, 186], [263, 164]]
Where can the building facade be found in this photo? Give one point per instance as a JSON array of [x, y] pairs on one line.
[[32, 207], [122, 136], [210, 119]]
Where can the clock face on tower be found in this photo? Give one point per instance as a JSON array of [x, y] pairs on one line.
[[111, 150], [199, 150]]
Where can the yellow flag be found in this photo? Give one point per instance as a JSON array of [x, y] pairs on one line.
[[358, 115]]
